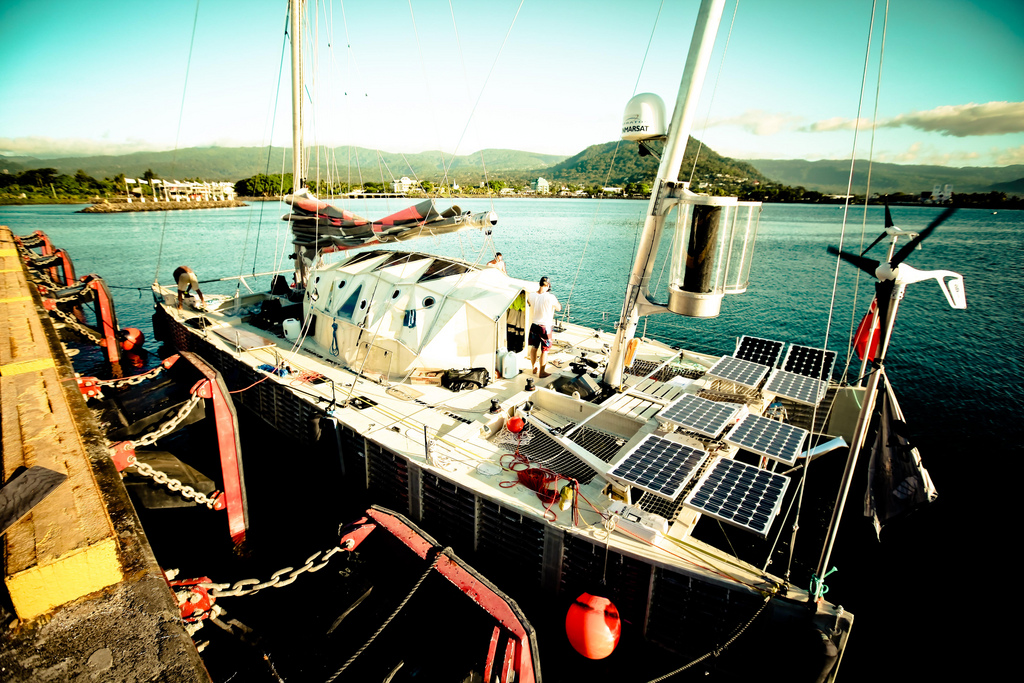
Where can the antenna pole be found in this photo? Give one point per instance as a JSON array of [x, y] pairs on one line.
[[860, 432], [709, 16]]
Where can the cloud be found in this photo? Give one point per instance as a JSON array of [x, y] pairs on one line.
[[51, 148], [962, 120], [835, 123], [1008, 157], [759, 122], [918, 153]]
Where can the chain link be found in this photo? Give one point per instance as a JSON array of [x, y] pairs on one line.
[[135, 379], [162, 478], [78, 296], [276, 580], [46, 279], [169, 426], [79, 327]]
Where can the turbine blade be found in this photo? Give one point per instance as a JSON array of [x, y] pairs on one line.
[[867, 265], [904, 252], [888, 218], [877, 240]]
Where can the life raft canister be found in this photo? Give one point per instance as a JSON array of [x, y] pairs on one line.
[[631, 351]]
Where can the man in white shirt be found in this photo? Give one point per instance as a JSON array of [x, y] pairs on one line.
[[543, 304], [497, 262]]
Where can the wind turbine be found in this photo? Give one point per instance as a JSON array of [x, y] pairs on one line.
[[893, 275]]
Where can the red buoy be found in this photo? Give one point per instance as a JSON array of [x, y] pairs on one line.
[[593, 626], [131, 338], [515, 424]]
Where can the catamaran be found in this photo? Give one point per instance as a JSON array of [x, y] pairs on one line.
[[598, 477]]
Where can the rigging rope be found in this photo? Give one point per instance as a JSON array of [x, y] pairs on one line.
[[714, 90], [867, 192], [177, 137], [416, 587], [718, 650]]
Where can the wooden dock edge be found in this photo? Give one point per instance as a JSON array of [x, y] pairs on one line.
[[65, 547], [81, 575]]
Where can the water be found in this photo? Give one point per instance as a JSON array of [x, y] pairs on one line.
[[958, 374]]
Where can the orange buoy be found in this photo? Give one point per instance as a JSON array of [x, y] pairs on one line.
[[515, 424], [131, 338], [593, 626]]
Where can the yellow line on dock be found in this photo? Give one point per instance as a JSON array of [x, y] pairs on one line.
[[15, 299], [8, 252], [23, 366]]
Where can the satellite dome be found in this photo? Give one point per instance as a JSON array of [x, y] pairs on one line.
[[644, 118]]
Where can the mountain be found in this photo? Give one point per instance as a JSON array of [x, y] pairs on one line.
[[617, 163], [830, 176], [235, 163], [1015, 187], [610, 163]]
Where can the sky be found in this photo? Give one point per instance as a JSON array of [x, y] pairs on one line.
[[787, 79]]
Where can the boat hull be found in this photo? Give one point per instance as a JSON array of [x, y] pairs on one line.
[[542, 566]]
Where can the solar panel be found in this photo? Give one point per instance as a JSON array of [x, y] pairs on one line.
[[807, 361], [767, 437], [757, 350], [699, 414], [742, 372], [799, 388], [740, 494], [660, 466]]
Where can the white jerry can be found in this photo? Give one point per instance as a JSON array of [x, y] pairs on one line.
[[510, 365]]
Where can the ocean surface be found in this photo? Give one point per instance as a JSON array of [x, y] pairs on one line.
[[958, 374]]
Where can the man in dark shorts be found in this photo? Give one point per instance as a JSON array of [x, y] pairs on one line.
[[543, 305]]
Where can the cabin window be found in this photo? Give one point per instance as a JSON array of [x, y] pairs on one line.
[[428, 302], [341, 284], [394, 294], [349, 307], [362, 304]]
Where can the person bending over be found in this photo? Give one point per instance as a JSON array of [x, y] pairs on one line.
[[187, 281]]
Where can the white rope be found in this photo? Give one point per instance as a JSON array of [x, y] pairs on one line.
[[714, 90], [867, 193]]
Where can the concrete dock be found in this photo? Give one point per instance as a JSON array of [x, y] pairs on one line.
[[83, 596]]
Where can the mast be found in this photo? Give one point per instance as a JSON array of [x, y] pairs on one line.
[[709, 17], [296, 22], [296, 10]]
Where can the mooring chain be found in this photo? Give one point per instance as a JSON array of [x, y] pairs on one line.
[[164, 479], [169, 426], [46, 279], [126, 381], [276, 580], [77, 296], [79, 327]]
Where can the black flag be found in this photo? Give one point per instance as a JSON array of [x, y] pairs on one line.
[[898, 483]]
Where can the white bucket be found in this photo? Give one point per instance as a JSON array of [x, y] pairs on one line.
[[292, 327]]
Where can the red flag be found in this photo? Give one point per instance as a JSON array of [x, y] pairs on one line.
[[867, 336]]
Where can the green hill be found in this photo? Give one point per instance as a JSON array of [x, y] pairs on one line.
[[610, 163], [235, 163], [830, 176], [1014, 187], [618, 163]]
